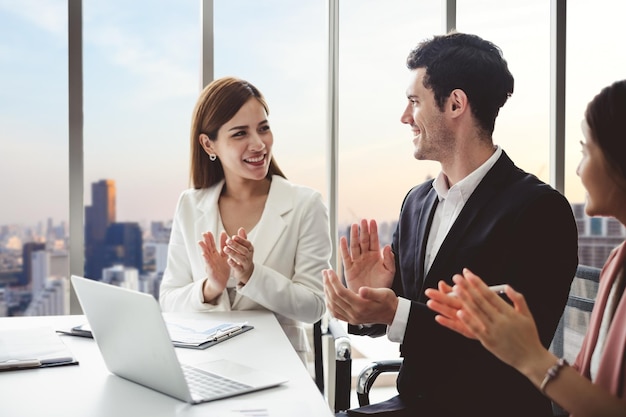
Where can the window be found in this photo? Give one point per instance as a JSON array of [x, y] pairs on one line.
[[280, 47], [141, 63], [34, 151], [593, 62], [376, 163], [522, 31]]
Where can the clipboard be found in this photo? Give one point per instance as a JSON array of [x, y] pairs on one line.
[[38, 347], [191, 334], [187, 338]]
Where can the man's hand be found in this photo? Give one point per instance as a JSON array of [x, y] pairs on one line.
[[365, 264], [369, 305]]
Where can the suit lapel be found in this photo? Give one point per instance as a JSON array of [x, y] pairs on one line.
[[490, 185], [272, 224], [423, 228], [207, 203]]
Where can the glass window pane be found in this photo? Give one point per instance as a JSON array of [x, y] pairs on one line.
[[376, 163], [280, 47], [33, 158], [594, 60], [141, 80], [522, 31]]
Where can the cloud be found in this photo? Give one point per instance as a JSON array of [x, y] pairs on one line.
[[49, 15]]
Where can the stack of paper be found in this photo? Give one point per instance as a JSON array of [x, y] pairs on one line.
[[33, 348]]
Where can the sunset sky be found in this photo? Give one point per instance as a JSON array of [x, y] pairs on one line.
[[141, 80]]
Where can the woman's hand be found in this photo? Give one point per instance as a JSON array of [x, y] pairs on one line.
[[509, 332], [240, 256], [216, 265]]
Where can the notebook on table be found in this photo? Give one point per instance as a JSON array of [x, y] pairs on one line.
[[119, 317]]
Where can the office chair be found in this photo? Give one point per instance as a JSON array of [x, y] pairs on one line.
[[566, 342], [574, 322], [333, 362]]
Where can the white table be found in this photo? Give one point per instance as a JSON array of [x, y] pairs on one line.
[[90, 390]]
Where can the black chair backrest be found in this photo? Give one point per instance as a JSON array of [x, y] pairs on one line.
[[575, 320], [573, 325]]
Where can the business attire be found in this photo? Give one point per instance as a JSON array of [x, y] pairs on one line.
[[291, 248], [510, 229], [601, 356]]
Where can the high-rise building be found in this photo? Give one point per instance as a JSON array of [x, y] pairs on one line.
[[27, 266], [122, 276], [52, 300], [123, 245], [40, 262], [597, 236], [98, 217]]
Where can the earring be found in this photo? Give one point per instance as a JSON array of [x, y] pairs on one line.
[[212, 157]]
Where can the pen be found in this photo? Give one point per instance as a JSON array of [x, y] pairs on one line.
[[56, 361], [224, 333], [20, 363], [498, 289]]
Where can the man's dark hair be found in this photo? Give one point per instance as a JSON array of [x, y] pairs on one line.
[[467, 62]]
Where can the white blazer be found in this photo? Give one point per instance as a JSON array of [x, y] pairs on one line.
[[291, 247]]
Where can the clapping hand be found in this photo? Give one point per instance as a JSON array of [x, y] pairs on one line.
[[240, 255], [509, 332], [365, 264], [216, 265]]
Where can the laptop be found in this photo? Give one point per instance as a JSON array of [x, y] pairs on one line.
[[132, 336]]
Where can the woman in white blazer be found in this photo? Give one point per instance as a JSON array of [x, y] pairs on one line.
[[244, 237]]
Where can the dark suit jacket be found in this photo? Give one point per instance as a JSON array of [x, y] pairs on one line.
[[513, 229]]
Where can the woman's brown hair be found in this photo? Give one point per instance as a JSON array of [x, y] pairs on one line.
[[217, 104]]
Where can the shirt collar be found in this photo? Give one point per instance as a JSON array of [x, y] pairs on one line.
[[468, 184]]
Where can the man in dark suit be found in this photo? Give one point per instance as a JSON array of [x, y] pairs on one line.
[[481, 212]]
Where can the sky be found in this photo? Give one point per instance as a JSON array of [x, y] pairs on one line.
[[141, 81]]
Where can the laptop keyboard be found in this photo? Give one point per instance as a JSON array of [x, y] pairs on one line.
[[207, 385]]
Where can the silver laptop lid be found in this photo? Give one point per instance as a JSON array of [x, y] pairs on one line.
[[132, 336]]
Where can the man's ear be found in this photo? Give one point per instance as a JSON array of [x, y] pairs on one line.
[[457, 101]]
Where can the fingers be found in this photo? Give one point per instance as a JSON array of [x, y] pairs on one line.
[[519, 301], [336, 295], [207, 243], [238, 249], [345, 252], [223, 238], [363, 238], [373, 243], [482, 309], [389, 261], [442, 302], [355, 244], [476, 296], [455, 325]]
